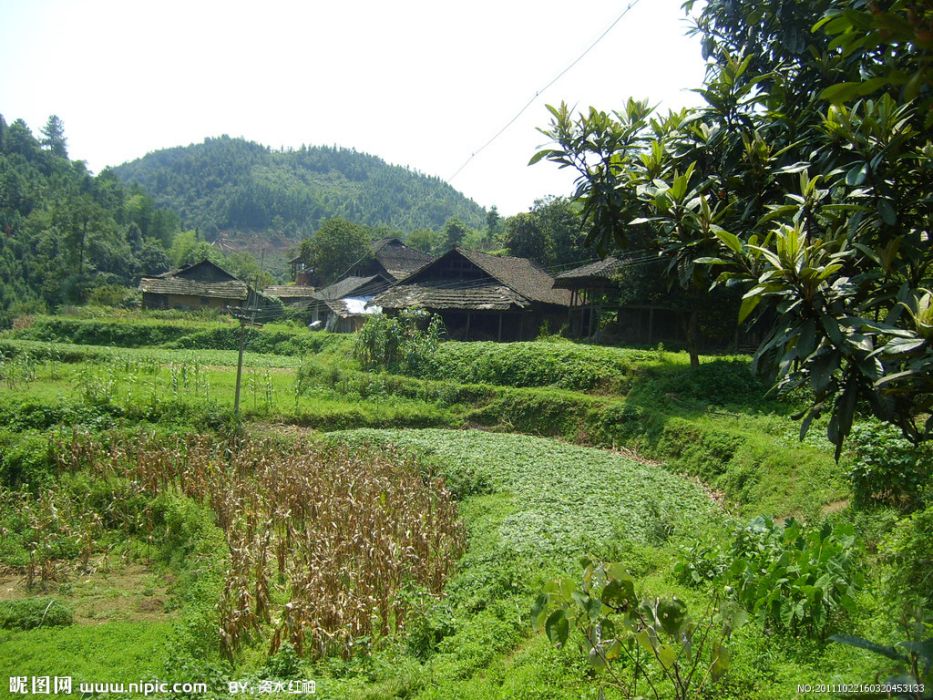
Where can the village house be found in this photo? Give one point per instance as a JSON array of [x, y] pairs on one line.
[[482, 297], [293, 295], [589, 286], [202, 285], [390, 258], [344, 306], [596, 295]]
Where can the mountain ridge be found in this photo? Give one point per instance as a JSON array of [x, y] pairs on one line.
[[226, 184]]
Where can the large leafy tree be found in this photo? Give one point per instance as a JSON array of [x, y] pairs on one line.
[[551, 233], [426, 240], [335, 247], [805, 181], [454, 233], [525, 238]]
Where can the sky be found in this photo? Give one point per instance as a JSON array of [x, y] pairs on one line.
[[419, 83]]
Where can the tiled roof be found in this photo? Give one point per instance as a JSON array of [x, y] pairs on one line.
[[439, 295], [190, 271], [397, 258], [345, 287], [597, 273], [290, 291], [521, 275], [185, 287]]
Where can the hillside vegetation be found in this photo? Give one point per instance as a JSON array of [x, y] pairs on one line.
[[230, 184], [64, 231], [445, 496]]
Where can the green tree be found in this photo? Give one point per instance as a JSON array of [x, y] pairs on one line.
[[54, 137], [64, 231], [425, 240], [18, 139], [810, 196], [334, 248], [187, 249], [560, 221], [493, 223], [454, 233], [526, 238]]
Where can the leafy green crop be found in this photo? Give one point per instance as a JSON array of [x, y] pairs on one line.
[[795, 578], [29, 613], [566, 499]]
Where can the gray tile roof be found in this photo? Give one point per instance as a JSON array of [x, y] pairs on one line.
[[512, 282], [347, 286], [596, 274], [439, 295], [185, 287], [520, 275], [290, 291], [397, 258]]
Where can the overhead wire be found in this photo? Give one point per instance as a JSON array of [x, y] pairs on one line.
[[537, 94]]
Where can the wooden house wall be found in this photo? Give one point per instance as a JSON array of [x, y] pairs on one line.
[[504, 326], [205, 273], [454, 268]]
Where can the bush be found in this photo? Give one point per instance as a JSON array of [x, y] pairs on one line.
[[104, 331], [25, 458], [795, 578], [700, 563], [282, 665], [560, 364], [406, 343], [115, 295], [907, 557], [30, 613], [887, 469], [616, 624]]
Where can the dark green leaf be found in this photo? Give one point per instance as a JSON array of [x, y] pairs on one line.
[[557, 627], [856, 176], [889, 652]]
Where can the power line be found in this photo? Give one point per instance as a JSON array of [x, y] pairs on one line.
[[553, 80]]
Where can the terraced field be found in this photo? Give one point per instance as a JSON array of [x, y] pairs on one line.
[[568, 452]]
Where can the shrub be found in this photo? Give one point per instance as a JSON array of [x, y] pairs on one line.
[[560, 364], [907, 557], [406, 342], [887, 469], [283, 665], [700, 563], [115, 295], [25, 458], [655, 639], [30, 613], [795, 578]]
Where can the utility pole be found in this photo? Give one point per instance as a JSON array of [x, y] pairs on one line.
[[242, 314]]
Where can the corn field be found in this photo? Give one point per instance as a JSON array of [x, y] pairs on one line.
[[322, 539]]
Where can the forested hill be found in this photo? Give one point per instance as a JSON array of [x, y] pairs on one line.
[[230, 184], [63, 231]]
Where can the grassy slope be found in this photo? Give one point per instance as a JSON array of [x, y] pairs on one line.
[[112, 651], [531, 505], [711, 423], [532, 508]]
